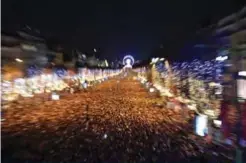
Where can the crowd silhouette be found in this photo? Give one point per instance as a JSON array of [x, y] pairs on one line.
[[115, 121]]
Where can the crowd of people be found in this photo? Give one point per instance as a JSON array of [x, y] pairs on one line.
[[116, 121]]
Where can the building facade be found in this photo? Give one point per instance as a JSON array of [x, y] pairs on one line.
[[23, 48], [230, 37]]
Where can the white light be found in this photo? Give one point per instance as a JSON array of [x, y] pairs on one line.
[[242, 73], [18, 60], [55, 97], [152, 90], [128, 58], [220, 58], [95, 50], [217, 123], [105, 136], [106, 63], [154, 60], [128, 61], [201, 125], [241, 88], [85, 85], [162, 59]]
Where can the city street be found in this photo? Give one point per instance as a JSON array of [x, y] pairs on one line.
[[116, 121], [123, 82]]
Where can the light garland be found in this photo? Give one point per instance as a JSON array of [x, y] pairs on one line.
[[195, 83], [47, 83]]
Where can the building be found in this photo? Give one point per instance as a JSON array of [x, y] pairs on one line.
[[230, 37], [231, 31], [20, 47]]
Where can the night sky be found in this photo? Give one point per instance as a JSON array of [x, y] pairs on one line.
[[117, 27]]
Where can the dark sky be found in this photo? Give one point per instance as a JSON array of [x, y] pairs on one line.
[[116, 27]]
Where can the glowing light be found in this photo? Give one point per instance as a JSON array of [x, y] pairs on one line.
[[154, 60], [151, 90], [85, 85], [241, 88], [242, 73], [18, 60], [201, 125], [105, 136], [128, 60], [106, 63], [27, 87], [55, 96], [217, 123], [220, 58]]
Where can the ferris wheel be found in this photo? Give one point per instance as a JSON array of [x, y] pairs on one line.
[[128, 61]]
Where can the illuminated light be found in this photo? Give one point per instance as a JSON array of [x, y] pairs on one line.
[[151, 90], [85, 85], [241, 88], [242, 73], [106, 63], [212, 84], [55, 96], [29, 47], [128, 60], [217, 123], [95, 50], [220, 58], [162, 59], [201, 125], [154, 60], [105, 136], [18, 60]]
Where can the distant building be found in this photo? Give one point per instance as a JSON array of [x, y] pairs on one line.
[[81, 58], [70, 64], [25, 48], [231, 30], [58, 59], [231, 38], [92, 61]]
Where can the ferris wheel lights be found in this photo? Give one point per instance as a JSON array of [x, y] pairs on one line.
[[128, 61]]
